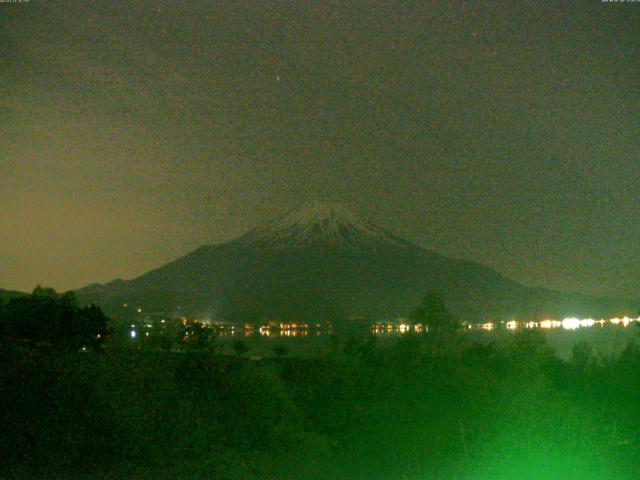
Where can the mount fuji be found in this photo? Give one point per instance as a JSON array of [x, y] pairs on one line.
[[323, 262]]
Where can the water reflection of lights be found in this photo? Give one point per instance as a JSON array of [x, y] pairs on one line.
[[294, 333], [569, 323], [304, 330], [264, 331], [402, 328], [624, 321]]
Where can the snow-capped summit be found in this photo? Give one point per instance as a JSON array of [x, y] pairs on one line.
[[318, 213], [320, 222]]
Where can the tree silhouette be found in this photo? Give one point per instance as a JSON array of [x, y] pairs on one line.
[[433, 313], [46, 317]]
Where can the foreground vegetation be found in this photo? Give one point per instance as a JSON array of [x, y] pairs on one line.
[[430, 407]]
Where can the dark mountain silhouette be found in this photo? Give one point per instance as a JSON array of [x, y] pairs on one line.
[[6, 295], [324, 262]]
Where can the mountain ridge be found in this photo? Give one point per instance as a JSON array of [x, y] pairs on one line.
[[6, 295], [325, 262]]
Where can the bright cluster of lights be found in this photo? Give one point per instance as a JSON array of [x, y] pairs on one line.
[[547, 324], [389, 328], [624, 321], [291, 326], [569, 323], [302, 329]]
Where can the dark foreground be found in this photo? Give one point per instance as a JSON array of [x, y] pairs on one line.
[[417, 410]]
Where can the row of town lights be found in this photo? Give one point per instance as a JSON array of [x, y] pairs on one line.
[[569, 323]]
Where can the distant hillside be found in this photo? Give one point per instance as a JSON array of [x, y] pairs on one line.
[[6, 295], [324, 262]]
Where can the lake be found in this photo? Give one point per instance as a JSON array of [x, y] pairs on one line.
[[608, 337]]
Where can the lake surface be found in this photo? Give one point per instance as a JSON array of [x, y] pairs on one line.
[[608, 337]]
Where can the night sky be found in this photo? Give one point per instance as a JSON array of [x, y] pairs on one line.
[[503, 132]]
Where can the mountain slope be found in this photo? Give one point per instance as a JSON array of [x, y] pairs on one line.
[[324, 262], [6, 295]]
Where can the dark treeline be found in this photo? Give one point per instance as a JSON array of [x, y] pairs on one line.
[[430, 407], [46, 319]]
